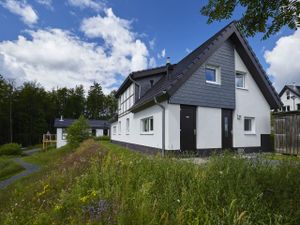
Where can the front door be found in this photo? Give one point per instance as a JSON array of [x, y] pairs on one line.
[[226, 128], [187, 127]]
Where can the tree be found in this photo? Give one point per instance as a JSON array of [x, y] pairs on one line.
[[95, 102], [111, 105], [78, 132], [262, 16]]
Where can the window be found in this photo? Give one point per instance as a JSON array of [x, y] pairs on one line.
[[288, 108], [151, 83], [119, 127], [249, 125], [126, 99], [212, 74], [64, 134], [147, 125], [127, 125], [114, 129], [93, 132], [288, 95], [298, 106], [240, 80]]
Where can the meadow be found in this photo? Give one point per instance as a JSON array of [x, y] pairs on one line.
[[102, 183]]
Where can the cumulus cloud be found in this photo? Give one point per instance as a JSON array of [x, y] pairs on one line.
[[21, 8], [124, 48], [283, 60], [47, 3], [58, 58], [93, 4], [162, 54]]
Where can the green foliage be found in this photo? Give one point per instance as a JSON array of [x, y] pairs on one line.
[[8, 168], [111, 185], [102, 138], [10, 149], [78, 132], [267, 17]]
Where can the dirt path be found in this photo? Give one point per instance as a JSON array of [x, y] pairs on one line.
[[29, 169]]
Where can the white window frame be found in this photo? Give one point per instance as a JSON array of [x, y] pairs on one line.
[[64, 133], [127, 126], [218, 74], [243, 74], [148, 130], [252, 119], [119, 127], [114, 130], [126, 99]]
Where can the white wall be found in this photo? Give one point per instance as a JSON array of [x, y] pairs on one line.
[[209, 127], [134, 136], [290, 101], [250, 102], [99, 132], [59, 141]]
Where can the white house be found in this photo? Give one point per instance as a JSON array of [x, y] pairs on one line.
[[99, 128], [290, 97], [217, 97]]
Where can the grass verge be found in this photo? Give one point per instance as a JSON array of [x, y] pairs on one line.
[[8, 168], [276, 156], [107, 184]]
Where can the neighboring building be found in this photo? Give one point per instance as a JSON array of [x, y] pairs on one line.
[[290, 97], [99, 128], [216, 97]]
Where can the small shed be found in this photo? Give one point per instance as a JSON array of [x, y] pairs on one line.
[[99, 128], [287, 132]]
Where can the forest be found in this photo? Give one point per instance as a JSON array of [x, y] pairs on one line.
[[28, 111]]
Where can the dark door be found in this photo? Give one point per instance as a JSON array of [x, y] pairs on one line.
[[226, 128], [187, 127]]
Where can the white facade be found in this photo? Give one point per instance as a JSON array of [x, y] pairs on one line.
[[251, 105], [61, 136], [290, 101]]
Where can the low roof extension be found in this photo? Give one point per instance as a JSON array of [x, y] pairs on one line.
[[94, 124]]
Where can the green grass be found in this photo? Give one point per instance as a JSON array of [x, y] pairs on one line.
[[8, 168], [107, 184], [277, 156]]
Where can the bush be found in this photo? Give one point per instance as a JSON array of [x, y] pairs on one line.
[[78, 132], [102, 138], [10, 149]]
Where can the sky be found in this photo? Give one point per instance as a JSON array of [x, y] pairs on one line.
[[61, 43]]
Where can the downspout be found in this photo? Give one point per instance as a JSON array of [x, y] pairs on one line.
[[136, 83], [163, 126]]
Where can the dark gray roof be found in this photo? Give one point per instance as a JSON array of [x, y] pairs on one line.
[[168, 85], [93, 123], [293, 88]]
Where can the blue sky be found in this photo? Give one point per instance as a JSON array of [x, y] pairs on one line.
[[149, 30]]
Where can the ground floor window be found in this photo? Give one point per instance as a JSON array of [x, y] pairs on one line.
[[114, 129], [119, 127], [105, 132], [147, 125], [64, 134], [249, 125], [94, 132], [127, 125], [298, 106]]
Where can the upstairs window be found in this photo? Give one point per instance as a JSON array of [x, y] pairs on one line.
[[288, 95], [147, 125], [240, 80], [212, 74], [126, 99]]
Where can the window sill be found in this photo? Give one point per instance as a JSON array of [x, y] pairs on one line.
[[241, 88], [250, 133], [127, 133], [212, 82], [147, 133]]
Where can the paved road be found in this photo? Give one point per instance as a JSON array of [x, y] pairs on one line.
[[29, 169]]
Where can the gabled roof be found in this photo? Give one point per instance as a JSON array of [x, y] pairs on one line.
[[93, 123], [168, 85], [141, 74], [293, 88]]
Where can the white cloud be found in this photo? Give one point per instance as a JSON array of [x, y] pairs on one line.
[[55, 57], [162, 54], [283, 60], [128, 52], [96, 5], [47, 3], [187, 50], [21, 8]]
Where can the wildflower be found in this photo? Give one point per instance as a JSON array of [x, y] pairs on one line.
[[84, 199], [178, 200]]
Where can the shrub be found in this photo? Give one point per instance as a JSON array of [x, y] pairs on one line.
[[78, 132], [10, 149]]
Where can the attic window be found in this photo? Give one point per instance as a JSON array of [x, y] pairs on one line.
[[212, 74]]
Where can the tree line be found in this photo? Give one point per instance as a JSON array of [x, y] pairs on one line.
[[28, 111]]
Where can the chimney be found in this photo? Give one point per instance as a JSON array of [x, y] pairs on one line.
[[61, 118], [168, 64]]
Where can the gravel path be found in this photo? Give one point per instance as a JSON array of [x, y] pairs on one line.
[[29, 169]]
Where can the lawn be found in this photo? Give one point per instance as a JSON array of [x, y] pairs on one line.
[[276, 156], [8, 167], [107, 184]]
